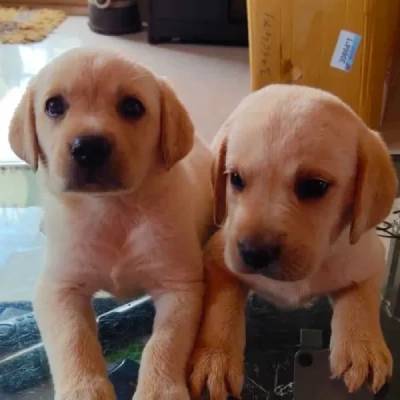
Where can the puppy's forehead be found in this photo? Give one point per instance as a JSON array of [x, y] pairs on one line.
[[292, 126], [95, 73]]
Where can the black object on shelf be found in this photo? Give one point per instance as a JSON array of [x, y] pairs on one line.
[[206, 21], [114, 17]]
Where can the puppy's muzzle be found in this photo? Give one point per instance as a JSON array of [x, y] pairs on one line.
[[91, 168], [258, 258], [91, 152]]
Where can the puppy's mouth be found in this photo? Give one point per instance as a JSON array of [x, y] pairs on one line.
[[277, 271], [235, 263], [286, 265], [271, 271], [93, 181]]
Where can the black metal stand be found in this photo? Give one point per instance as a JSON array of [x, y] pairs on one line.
[[206, 21]]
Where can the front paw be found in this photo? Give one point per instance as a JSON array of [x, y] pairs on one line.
[[152, 391], [89, 389], [361, 360], [218, 370]]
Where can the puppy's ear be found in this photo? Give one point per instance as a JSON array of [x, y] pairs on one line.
[[219, 183], [376, 185], [22, 134], [177, 131]]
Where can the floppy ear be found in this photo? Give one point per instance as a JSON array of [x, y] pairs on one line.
[[376, 186], [177, 131], [218, 176], [22, 134]]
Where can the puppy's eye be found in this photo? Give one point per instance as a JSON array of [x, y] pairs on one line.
[[236, 181], [130, 107], [55, 107], [311, 188]]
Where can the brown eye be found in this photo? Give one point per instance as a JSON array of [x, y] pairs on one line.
[[236, 181], [131, 107], [55, 107], [311, 188]]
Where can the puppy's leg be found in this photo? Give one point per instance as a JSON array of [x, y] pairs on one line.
[[218, 356], [162, 374], [358, 348], [68, 328]]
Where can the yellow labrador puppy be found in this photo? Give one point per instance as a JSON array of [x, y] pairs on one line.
[[300, 183], [127, 197]]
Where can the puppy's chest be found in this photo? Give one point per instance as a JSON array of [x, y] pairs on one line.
[[119, 246], [127, 256]]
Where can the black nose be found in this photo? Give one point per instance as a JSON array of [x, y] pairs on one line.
[[91, 151], [256, 256]]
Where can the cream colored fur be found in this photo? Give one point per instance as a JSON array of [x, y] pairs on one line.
[[328, 245], [144, 237]]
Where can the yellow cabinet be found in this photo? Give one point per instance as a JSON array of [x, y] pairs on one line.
[[343, 46]]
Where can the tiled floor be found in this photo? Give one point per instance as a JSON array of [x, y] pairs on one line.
[[210, 81]]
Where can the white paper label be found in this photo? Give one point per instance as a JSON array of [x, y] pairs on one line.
[[345, 50]]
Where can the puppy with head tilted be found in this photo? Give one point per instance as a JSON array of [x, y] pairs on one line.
[[127, 198], [300, 183]]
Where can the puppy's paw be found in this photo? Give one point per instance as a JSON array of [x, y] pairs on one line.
[[90, 389], [160, 392], [363, 360], [218, 370]]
